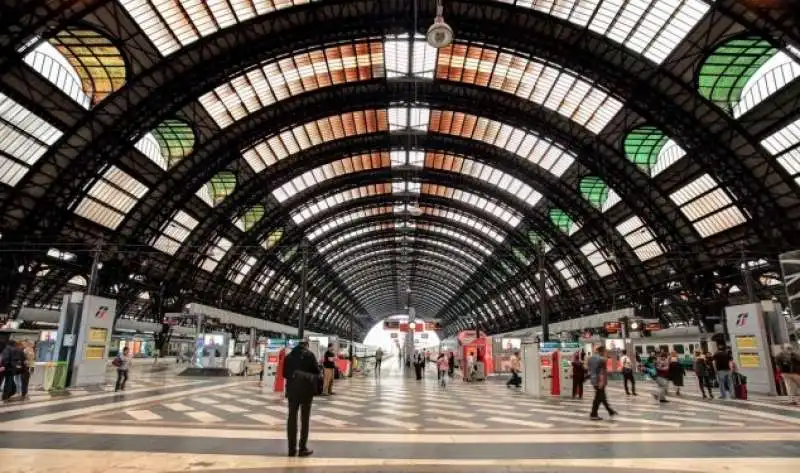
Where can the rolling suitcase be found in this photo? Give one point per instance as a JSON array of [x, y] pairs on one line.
[[739, 386]]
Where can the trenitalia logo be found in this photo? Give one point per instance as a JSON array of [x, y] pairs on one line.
[[101, 313], [741, 319]]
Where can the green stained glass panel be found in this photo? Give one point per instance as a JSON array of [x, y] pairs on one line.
[[274, 237], [561, 220], [252, 216], [176, 140], [642, 146], [594, 190], [287, 255], [521, 256], [726, 71], [222, 186]]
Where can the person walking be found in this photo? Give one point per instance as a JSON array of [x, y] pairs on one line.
[[378, 361], [451, 364], [419, 363], [703, 373], [676, 372], [516, 369], [442, 366], [301, 372], [123, 363], [598, 373], [662, 376], [627, 373], [722, 365], [578, 374], [329, 365], [12, 364]]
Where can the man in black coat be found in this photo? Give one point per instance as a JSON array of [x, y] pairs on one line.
[[302, 376]]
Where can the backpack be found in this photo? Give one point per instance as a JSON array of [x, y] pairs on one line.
[[117, 361]]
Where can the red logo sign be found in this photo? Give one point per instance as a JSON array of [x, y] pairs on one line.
[[101, 313], [741, 319]]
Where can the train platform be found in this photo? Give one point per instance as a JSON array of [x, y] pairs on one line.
[[392, 424]]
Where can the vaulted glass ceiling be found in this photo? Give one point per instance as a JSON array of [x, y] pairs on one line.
[[614, 140]]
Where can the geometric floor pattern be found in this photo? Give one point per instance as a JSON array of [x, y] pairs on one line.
[[392, 425]]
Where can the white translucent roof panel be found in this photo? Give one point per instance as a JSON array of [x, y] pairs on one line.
[[53, 66], [405, 57], [246, 264], [483, 172], [785, 145], [215, 253], [309, 210], [175, 231], [293, 75], [293, 140], [652, 28], [357, 163], [458, 236], [641, 239], [526, 145], [340, 220], [596, 259], [710, 208], [567, 274], [171, 25], [497, 209], [349, 235], [557, 89], [149, 146], [771, 77], [670, 154], [409, 118], [111, 198], [466, 219], [24, 138]]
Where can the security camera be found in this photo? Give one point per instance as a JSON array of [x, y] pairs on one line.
[[440, 35]]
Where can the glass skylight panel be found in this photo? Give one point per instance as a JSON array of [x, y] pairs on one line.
[[343, 219], [284, 78], [246, 264], [772, 76], [455, 235], [24, 138], [785, 146], [302, 137], [333, 200], [467, 220], [652, 28], [597, 259], [171, 25], [406, 58], [555, 88], [149, 147], [263, 279], [612, 200], [529, 146], [174, 232], [485, 173], [62, 255], [641, 239], [358, 163], [111, 198], [503, 213], [215, 253], [53, 66], [409, 118], [353, 234], [710, 208], [567, 274]]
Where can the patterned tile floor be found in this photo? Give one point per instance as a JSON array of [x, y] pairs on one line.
[[394, 424]]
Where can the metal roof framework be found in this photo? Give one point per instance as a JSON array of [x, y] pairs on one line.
[[165, 78]]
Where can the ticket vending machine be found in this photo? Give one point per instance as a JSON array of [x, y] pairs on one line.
[[565, 355]]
